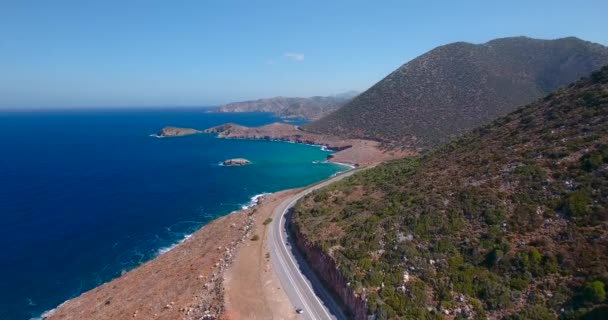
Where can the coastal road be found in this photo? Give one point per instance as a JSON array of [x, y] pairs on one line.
[[297, 279]]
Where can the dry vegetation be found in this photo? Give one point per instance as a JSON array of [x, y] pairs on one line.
[[284, 107], [507, 222], [455, 88]]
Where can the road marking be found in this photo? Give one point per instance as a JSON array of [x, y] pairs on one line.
[[293, 262], [284, 211], [297, 289]]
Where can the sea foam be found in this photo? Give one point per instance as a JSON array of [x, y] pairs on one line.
[[164, 250], [254, 201]]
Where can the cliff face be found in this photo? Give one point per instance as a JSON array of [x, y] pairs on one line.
[[327, 270]]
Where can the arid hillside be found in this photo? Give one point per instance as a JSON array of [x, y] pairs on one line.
[[290, 107], [507, 222], [457, 87]]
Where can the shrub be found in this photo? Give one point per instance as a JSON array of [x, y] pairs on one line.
[[255, 238], [494, 257], [592, 161], [579, 203], [267, 221], [594, 292], [536, 312]]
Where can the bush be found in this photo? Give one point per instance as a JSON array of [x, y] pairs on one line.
[[536, 312], [255, 238], [579, 203], [267, 221], [592, 161], [594, 292]]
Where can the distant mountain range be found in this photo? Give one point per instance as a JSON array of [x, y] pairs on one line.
[[454, 88], [285, 107], [505, 222]]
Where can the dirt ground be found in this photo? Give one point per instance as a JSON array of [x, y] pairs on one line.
[[184, 283], [252, 291], [365, 153], [218, 272]]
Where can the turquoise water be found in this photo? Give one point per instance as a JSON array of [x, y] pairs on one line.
[[87, 195]]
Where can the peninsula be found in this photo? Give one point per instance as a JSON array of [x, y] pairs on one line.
[[357, 152]]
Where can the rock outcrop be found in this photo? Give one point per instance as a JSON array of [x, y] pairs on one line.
[[328, 272], [176, 132], [236, 162]]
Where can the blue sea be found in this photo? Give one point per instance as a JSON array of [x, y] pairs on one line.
[[88, 195]]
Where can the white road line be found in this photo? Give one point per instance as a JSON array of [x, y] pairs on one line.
[[291, 259], [283, 250], [283, 262], [297, 290]]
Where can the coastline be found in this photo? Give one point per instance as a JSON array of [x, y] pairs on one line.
[[245, 208], [357, 152], [178, 282], [87, 303], [221, 241], [243, 220]]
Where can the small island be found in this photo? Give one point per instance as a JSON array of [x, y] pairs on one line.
[[236, 162], [176, 132]]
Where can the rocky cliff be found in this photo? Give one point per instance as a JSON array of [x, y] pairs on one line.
[[328, 272]]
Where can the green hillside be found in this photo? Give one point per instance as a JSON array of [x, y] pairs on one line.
[[509, 221], [460, 86]]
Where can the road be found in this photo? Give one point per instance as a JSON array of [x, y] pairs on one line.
[[297, 279]]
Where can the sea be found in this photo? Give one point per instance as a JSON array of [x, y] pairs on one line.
[[87, 195]]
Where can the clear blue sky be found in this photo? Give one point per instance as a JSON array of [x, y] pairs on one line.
[[58, 53]]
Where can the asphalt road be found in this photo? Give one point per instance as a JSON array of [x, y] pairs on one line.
[[297, 279]]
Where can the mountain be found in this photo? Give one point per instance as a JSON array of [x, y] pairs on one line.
[[454, 88], [308, 108], [509, 221]]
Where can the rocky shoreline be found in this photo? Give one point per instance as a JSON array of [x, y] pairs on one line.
[[183, 283], [357, 152]]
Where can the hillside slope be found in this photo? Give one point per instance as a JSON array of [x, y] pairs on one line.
[[457, 87], [507, 222], [284, 107]]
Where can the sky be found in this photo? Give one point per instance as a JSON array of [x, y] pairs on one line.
[[128, 53]]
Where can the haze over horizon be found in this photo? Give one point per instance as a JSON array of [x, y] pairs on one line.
[[153, 53]]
